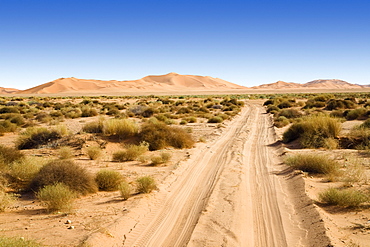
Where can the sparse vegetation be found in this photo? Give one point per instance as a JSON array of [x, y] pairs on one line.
[[120, 128], [66, 172], [6, 200], [56, 197], [108, 180], [65, 153], [17, 242], [94, 152], [125, 190], [161, 159], [132, 152], [313, 163], [146, 184], [343, 197], [34, 137]]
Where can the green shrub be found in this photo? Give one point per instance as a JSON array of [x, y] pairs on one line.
[[281, 122], [161, 159], [290, 113], [131, 153], [215, 119], [313, 131], [108, 180], [313, 163], [94, 152], [125, 190], [56, 197], [65, 153], [146, 184], [94, 127], [34, 137], [89, 112], [7, 126], [17, 242], [6, 200], [159, 136], [343, 198], [9, 155], [23, 171], [66, 172], [120, 128], [285, 104], [356, 114]]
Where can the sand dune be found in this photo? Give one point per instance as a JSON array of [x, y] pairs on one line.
[[160, 83], [4, 90], [316, 84]]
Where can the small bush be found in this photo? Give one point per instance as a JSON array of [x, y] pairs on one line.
[[17, 242], [89, 112], [65, 153], [66, 172], [366, 124], [313, 131], [215, 119], [281, 122], [94, 152], [125, 190], [161, 159], [313, 163], [360, 137], [57, 197], [120, 128], [9, 155], [6, 200], [290, 113], [146, 184], [94, 127], [356, 114], [131, 153], [23, 171], [108, 180], [35, 137], [159, 136], [7, 126], [343, 198]]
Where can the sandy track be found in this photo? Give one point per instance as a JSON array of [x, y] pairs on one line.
[[226, 194]]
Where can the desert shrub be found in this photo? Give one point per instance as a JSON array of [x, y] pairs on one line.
[[132, 152], [6, 200], [343, 197], [9, 155], [66, 172], [94, 127], [17, 119], [331, 143], [34, 137], [159, 136], [88, 112], [335, 104], [366, 124], [272, 109], [120, 128], [56, 197], [9, 109], [313, 163], [215, 119], [313, 131], [161, 159], [360, 137], [146, 184], [71, 112], [290, 113], [337, 114], [281, 121], [285, 104], [94, 152], [23, 171], [56, 114], [356, 114], [17, 242], [65, 153], [183, 122], [7, 126], [125, 190], [311, 103], [191, 119], [108, 180]]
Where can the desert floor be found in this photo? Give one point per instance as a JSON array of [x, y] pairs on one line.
[[232, 190]]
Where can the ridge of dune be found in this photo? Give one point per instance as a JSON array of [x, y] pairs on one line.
[[153, 83], [278, 85]]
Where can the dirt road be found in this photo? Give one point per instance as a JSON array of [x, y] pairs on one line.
[[227, 194]]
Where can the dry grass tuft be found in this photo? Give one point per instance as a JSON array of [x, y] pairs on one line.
[[57, 197]]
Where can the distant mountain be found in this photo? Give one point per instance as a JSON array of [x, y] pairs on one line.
[[160, 83], [316, 84]]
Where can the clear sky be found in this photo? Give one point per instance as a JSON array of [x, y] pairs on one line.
[[241, 41]]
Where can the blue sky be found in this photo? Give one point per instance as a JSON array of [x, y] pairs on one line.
[[245, 42]]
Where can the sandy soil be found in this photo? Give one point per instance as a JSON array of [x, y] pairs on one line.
[[231, 192]]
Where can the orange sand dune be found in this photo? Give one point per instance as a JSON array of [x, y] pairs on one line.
[[160, 83]]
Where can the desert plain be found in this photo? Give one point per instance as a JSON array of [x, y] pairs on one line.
[[232, 186]]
